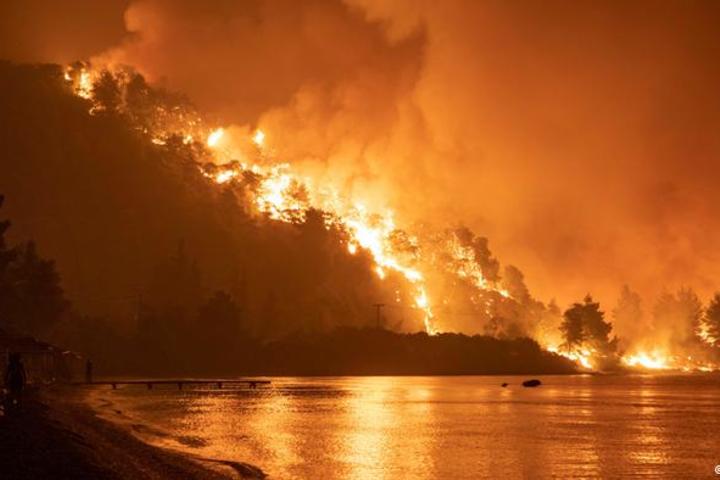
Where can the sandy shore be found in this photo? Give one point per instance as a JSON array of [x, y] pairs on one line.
[[58, 436]]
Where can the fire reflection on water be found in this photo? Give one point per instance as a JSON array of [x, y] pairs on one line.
[[651, 436], [443, 427], [367, 445], [388, 433]]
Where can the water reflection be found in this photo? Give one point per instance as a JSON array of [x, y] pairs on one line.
[[435, 427], [272, 421], [370, 420], [648, 434]]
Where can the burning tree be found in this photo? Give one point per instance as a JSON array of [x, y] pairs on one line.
[[710, 330], [585, 330], [629, 318], [680, 315]]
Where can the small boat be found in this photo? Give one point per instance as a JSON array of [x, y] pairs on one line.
[[532, 383]]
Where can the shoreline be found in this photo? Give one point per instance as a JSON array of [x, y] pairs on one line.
[[57, 435]]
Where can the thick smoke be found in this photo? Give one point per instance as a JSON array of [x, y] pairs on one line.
[[580, 138], [49, 31]]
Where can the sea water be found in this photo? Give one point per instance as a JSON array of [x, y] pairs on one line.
[[580, 426]]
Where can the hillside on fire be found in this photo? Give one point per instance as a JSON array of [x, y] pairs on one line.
[[182, 246], [135, 226], [146, 242]]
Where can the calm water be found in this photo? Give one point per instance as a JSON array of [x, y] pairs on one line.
[[440, 427]]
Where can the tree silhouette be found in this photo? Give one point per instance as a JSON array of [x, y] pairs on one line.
[[176, 283], [220, 318], [572, 327], [629, 307], [219, 331], [106, 92], [628, 312], [681, 313], [489, 265], [711, 320], [7, 257], [691, 309], [514, 283], [31, 299], [584, 324], [41, 300]]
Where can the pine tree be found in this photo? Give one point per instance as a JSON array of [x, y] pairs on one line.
[[681, 314], [628, 311], [711, 321], [584, 324], [572, 327], [31, 299], [41, 300], [7, 257]]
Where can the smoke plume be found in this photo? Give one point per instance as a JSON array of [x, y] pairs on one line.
[[580, 138]]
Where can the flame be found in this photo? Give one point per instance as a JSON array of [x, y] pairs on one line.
[[85, 85], [651, 361], [581, 356], [659, 359], [259, 138], [465, 265], [214, 137], [82, 81], [656, 359], [706, 336], [284, 196], [224, 176], [276, 195]]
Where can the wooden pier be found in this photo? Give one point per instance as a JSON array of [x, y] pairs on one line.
[[180, 382]]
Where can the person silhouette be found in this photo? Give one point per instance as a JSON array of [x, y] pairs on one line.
[[15, 380], [88, 371]]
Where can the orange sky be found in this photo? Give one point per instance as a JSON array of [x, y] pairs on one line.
[[580, 137]]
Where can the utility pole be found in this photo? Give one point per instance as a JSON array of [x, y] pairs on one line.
[[378, 307]]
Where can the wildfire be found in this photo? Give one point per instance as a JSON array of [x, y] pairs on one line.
[[214, 137], [259, 138], [282, 195], [466, 266], [706, 336], [279, 195], [653, 360], [286, 197], [81, 80], [582, 356], [661, 360], [650, 361]]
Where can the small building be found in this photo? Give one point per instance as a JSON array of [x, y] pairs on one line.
[[44, 363]]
